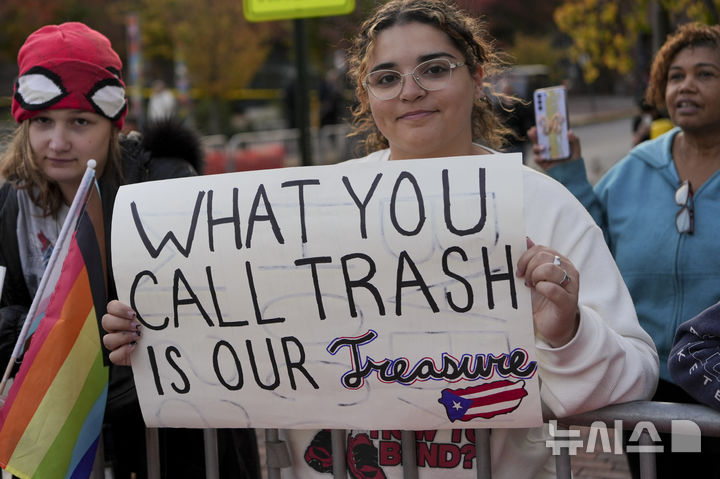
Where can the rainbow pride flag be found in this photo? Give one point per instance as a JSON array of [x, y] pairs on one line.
[[51, 422]]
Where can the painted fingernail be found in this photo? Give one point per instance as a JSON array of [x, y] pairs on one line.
[[130, 314]]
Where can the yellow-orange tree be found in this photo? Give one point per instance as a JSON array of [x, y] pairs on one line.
[[19, 18], [222, 50], [604, 32]]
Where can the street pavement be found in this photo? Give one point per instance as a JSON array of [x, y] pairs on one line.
[[590, 109], [604, 126]]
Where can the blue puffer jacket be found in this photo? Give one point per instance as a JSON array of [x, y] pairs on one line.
[[671, 277]]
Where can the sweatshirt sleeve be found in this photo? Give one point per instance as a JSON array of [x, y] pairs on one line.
[[694, 361], [611, 359]]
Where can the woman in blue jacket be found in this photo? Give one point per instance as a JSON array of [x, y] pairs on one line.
[[659, 207]]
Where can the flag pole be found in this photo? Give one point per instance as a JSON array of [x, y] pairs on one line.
[[67, 229]]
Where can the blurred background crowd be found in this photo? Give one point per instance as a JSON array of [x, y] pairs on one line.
[[234, 81]]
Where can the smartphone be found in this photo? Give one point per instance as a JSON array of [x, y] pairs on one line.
[[551, 120]]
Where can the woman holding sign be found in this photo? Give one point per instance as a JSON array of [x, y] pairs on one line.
[[419, 68], [70, 105]]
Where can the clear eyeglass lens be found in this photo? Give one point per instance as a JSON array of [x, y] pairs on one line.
[[431, 75], [384, 80], [683, 221], [682, 193], [434, 74]]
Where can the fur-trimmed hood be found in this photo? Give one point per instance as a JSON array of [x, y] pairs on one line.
[[169, 138], [162, 151]]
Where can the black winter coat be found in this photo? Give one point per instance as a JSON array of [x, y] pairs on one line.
[[166, 150]]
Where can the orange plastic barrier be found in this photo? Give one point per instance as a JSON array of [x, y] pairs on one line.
[[260, 157], [215, 162], [255, 158]]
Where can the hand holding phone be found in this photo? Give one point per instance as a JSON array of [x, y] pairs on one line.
[[551, 120]]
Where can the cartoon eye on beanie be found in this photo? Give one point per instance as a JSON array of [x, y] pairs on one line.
[[69, 66]]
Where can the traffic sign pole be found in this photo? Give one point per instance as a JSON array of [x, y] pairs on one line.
[[298, 10], [302, 101]]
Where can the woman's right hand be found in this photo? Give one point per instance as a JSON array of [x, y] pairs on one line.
[[123, 331], [538, 149]]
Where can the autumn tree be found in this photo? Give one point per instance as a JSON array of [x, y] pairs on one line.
[[606, 32], [221, 49], [21, 17], [506, 18]]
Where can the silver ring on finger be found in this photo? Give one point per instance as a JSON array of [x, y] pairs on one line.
[[556, 260], [565, 279]]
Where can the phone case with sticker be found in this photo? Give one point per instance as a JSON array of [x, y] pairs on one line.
[[551, 120]]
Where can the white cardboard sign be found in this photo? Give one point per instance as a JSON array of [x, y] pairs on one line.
[[359, 296]]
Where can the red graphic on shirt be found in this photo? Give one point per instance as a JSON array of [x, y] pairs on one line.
[[362, 458], [318, 454], [44, 242]]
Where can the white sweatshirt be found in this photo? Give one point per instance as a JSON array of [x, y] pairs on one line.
[[610, 360]]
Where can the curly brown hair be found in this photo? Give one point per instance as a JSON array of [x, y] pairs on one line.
[[688, 35], [19, 166], [467, 33]]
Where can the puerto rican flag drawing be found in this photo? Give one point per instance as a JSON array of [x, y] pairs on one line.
[[483, 401]]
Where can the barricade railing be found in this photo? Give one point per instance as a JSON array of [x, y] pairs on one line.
[[645, 417]]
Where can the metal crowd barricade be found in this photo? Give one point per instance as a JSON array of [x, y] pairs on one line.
[[332, 145], [659, 414]]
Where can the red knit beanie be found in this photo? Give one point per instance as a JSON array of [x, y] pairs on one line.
[[69, 66]]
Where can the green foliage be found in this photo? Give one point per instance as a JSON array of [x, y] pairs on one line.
[[605, 32], [329, 34], [22, 17], [222, 50], [705, 11], [528, 49]]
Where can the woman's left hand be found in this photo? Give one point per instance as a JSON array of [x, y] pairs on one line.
[[554, 285]]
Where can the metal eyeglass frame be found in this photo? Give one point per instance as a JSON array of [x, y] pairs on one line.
[[451, 65]]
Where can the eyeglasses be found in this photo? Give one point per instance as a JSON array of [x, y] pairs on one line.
[[431, 75], [684, 219]]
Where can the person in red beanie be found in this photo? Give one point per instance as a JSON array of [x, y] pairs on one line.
[[69, 66], [70, 105]]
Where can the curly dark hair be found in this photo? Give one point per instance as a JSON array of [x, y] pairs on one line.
[[688, 35], [467, 33]]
